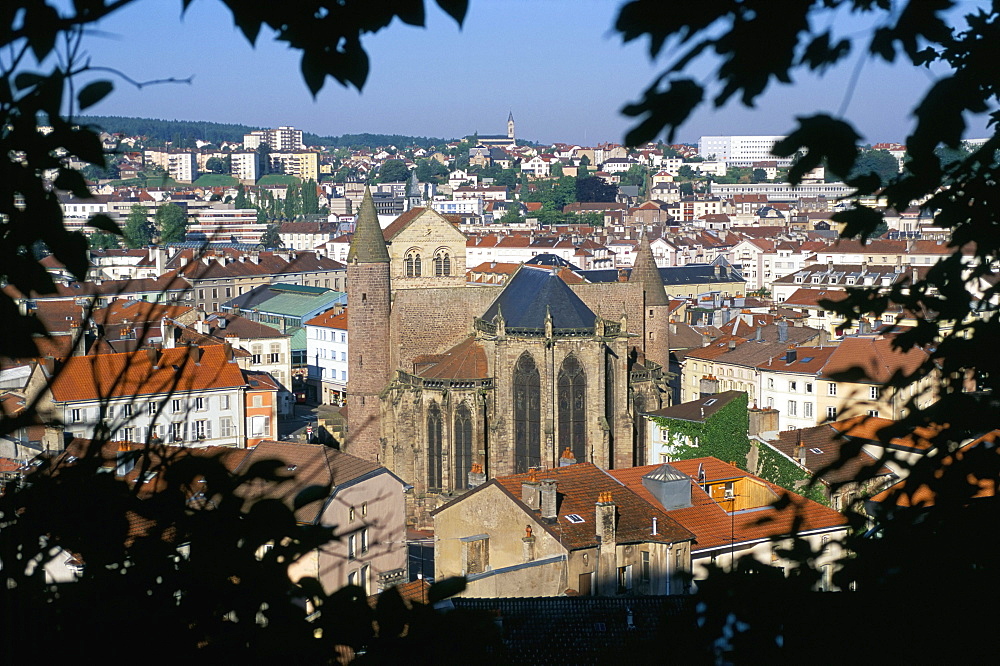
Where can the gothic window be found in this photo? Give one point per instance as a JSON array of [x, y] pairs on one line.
[[434, 447], [412, 263], [609, 396], [638, 406], [572, 402], [463, 445], [527, 415]]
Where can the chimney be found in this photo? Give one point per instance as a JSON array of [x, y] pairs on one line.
[[548, 499], [567, 458], [476, 476], [154, 357], [194, 354], [605, 515], [528, 544], [782, 331], [221, 322], [530, 493], [790, 355], [732, 345], [201, 326]]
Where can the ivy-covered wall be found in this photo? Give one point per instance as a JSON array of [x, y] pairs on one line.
[[722, 435], [778, 469]]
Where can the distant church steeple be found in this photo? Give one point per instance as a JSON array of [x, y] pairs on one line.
[[510, 126], [414, 197]]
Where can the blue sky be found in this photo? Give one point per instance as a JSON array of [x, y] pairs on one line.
[[556, 64]]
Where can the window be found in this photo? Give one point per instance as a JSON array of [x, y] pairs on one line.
[[527, 415], [792, 408], [434, 466], [624, 579], [275, 353], [463, 445], [364, 508], [126, 411], [177, 431], [412, 264], [809, 388], [873, 413], [151, 408], [645, 566], [175, 406], [256, 351], [229, 292], [260, 426], [226, 428], [364, 540], [203, 429], [352, 546], [257, 401], [442, 264], [770, 382], [125, 434], [476, 555], [224, 402], [571, 399], [831, 412], [831, 389], [807, 409], [200, 404], [873, 392], [793, 386]]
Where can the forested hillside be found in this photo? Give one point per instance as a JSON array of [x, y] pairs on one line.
[[184, 133]]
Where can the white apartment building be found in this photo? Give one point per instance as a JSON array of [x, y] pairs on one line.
[[245, 167], [183, 167], [281, 139], [326, 349], [191, 395], [740, 151], [459, 207], [790, 384]]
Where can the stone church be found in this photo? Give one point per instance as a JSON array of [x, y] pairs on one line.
[[451, 384]]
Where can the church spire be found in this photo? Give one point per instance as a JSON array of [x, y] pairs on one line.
[[368, 244], [645, 272]]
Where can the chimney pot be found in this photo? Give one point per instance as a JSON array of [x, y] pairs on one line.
[[548, 499]]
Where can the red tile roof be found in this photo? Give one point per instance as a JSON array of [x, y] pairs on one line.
[[714, 527], [116, 375], [578, 488]]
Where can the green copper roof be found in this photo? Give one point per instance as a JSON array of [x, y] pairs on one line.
[[645, 272], [368, 244]]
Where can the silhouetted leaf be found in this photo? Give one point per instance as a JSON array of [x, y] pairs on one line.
[[858, 221], [456, 9], [93, 93], [390, 613], [663, 109], [311, 494], [105, 223], [824, 138], [72, 250], [448, 587], [72, 181], [27, 79]]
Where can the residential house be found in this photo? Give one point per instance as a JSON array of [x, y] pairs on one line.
[[544, 533], [326, 351], [735, 514], [364, 506], [789, 382]]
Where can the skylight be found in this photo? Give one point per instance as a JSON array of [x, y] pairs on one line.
[[815, 450], [808, 358], [574, 518]]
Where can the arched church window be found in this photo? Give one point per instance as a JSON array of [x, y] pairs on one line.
[[442, 264], [412, 263], [527, 415], [463, 445], [571, 392], [434, 447], [639, 422]]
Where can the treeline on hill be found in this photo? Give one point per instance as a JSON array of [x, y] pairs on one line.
[[184, 133]]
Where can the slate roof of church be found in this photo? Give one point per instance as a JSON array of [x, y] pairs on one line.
[[531, 293], [368, 243]]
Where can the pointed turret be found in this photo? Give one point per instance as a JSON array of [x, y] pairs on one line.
[[645, 272], [368, 244]]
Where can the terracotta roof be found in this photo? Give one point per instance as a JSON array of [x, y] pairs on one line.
[[302, 466], [466, 360], [974, 463], [821, 448], [714, 527], [329, 319], [698, 410], [116, 375], [871, 360], [578, 489]]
